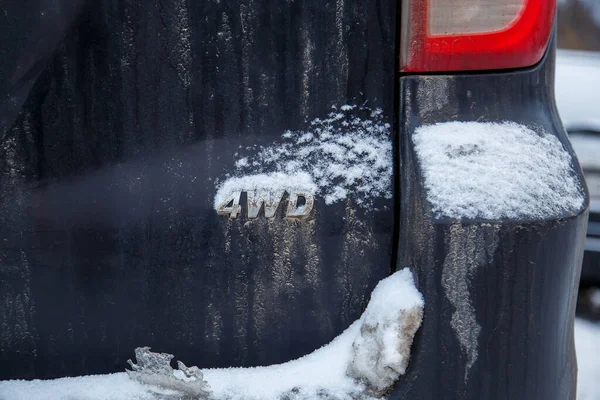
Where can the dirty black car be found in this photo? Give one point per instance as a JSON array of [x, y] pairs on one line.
[[228, 181]]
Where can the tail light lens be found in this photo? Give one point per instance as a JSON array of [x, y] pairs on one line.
[[461, 35]]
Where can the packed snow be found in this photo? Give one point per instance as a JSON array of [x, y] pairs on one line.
[[496, 170], [93, 387], [382, 349], [362, 362], [395, 307], [349, 152]]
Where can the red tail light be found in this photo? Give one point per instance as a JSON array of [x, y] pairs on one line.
[[461, 35]]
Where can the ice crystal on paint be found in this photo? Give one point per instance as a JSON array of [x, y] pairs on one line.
[[347, 153]]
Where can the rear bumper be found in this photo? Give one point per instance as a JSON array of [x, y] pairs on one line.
[[499, 294]]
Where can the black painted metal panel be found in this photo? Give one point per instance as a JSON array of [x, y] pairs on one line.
[[520, 276], [108, 235]]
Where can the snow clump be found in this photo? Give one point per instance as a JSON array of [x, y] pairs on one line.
[[155, 369], [381, 350], [587, 344]]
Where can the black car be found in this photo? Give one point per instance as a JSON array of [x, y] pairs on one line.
[[228, 181]]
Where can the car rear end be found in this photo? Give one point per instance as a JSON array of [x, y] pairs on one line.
[[230, 180], [499, 278]]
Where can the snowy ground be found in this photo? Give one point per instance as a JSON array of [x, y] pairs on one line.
[[587, 343]]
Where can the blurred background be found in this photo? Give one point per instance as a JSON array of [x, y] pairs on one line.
[[577, 98], [579, 24]]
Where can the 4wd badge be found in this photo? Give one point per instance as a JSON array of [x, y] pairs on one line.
[[300, 204]]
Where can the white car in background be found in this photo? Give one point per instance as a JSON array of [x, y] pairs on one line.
[[577, 88], [577, 93]]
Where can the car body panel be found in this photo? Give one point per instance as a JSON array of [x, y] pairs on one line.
[[109, 235], [508, 333]]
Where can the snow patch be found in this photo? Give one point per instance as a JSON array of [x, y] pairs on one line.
[[587, 345], [364, 361], [348, 152], [94, 387], [322, 372], [496, 170], [273, 182]]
